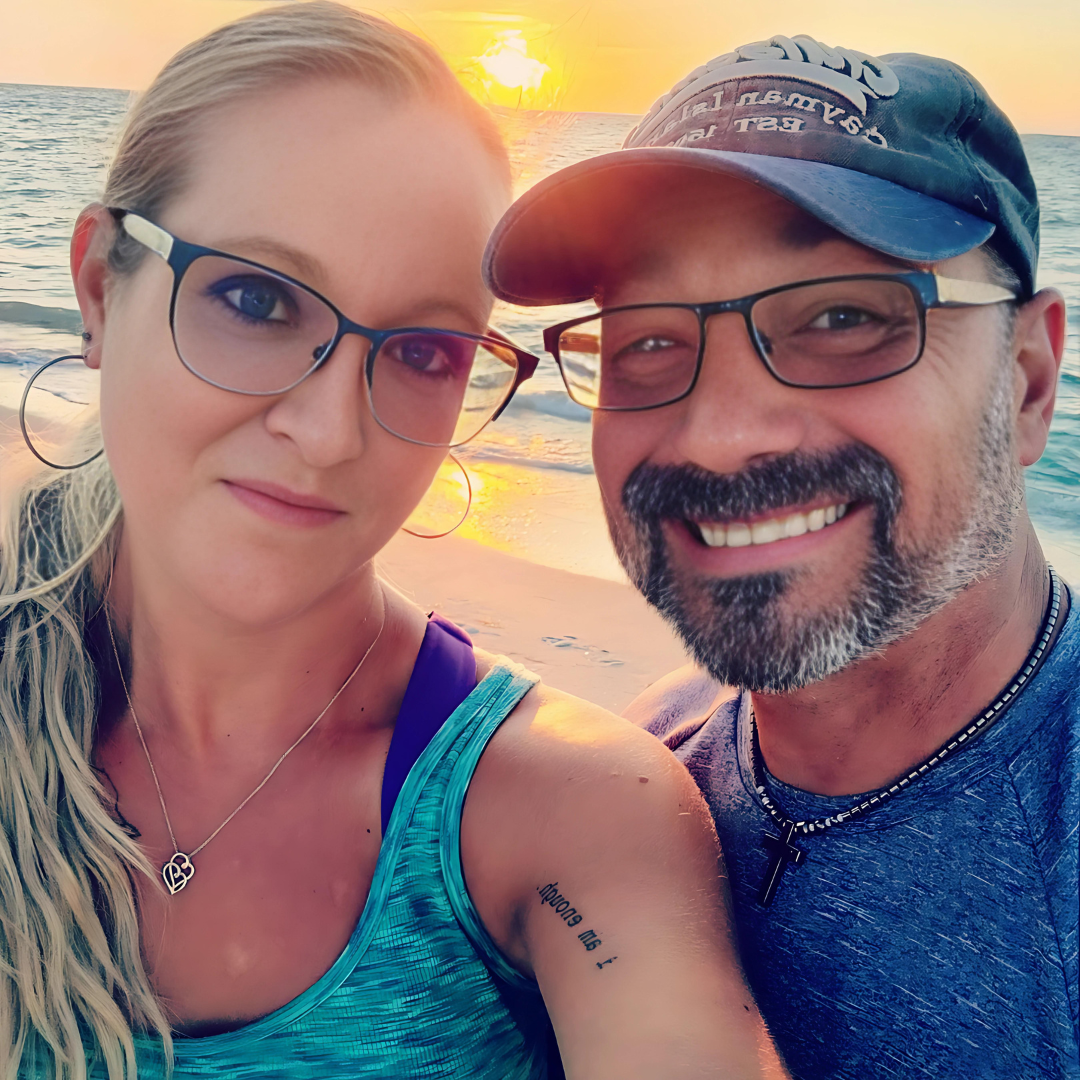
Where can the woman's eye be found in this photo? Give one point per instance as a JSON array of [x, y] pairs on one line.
[[841, 318], [427, 354], [256, 300]]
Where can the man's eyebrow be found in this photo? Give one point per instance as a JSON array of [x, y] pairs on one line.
[[618, 267], [298, 264], [804, 231]]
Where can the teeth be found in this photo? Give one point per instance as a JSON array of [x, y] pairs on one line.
[[714, 535], [795, 525], [765, 532], [739, 534]]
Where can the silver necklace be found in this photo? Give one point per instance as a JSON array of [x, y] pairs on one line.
[[784, 853], [180, 869]]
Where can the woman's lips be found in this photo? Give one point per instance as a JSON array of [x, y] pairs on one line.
[[279, 504]]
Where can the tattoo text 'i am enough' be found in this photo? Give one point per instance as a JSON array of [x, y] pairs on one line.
[[549, 894]]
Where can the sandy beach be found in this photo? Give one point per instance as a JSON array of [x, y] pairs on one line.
[[586, 635]]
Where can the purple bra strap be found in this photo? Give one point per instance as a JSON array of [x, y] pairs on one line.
[[442, 678]]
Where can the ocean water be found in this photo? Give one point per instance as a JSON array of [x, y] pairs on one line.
[[55, 143]]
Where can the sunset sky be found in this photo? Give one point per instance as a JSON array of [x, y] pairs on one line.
[[590, 55]]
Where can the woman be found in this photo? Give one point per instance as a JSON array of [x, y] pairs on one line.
[[223, 838]]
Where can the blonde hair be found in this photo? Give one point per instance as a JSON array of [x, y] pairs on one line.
[[71, 967]]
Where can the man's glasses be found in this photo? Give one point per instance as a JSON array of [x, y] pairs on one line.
[[822, 334], [243, 327]]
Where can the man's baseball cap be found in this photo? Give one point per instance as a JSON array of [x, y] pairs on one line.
[[905, 154]]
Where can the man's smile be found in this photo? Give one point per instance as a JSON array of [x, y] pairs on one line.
[[758, 531], [769, 541]]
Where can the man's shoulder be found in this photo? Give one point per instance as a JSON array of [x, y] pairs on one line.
[[1045, 767], [1060, 675], [676, 706], [1046, 715]]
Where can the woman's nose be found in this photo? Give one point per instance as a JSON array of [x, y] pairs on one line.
[[325, 416]]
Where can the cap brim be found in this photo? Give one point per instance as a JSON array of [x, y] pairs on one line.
[[546, 248]]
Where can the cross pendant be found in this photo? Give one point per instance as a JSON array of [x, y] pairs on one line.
[[783, 853]]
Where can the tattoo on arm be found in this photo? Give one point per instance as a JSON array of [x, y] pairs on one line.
[[549, 894]]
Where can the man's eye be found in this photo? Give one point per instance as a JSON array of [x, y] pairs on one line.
[[653, 344], [841, 318]]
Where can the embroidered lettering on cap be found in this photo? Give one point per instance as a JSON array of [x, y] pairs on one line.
[[853, 75], [770, 123]]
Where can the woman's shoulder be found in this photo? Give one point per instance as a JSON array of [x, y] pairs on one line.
[[568, 791], [551, 730], [559, 762]]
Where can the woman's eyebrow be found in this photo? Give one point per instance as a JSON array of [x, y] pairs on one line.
[[298, 264], [430, 310]]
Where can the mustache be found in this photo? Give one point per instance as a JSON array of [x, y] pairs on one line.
[[854, 473]]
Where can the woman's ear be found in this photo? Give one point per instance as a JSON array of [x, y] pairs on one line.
[[89, 271], [1038, 346]]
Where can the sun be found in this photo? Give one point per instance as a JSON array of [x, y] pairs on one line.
[[507, 62]]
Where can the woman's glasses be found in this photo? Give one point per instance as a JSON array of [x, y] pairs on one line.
[[822, 334], [243, 327]]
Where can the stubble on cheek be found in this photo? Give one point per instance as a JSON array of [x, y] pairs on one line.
[[631, 552]]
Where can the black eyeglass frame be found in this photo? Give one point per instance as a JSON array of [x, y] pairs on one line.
[[180, 255], [928, 289]]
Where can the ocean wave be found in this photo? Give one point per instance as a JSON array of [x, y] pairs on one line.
[[46, 318], [509, 456], [24, 360], [549, 403]]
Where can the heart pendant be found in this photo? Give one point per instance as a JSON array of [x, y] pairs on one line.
[[177, 872]]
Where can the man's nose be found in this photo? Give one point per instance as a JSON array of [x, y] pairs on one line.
[[327, 414], [738, 413]]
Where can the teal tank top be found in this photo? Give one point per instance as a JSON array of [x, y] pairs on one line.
[[421, 991]]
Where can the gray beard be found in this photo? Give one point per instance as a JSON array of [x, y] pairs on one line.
[[737, 628]]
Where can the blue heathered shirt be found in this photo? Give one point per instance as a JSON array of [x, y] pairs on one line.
[[937, 937]]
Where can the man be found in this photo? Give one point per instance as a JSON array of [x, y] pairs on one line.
[[820, 369]]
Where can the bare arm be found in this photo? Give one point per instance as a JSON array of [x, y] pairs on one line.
[[593, 862]]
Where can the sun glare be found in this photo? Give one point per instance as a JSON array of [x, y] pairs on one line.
[[507, 62]]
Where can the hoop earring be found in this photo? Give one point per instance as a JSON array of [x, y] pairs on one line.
[[22, 418], [429, 506]]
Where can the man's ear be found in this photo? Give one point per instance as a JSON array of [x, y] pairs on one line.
[[89, 271], [1038, 346]]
